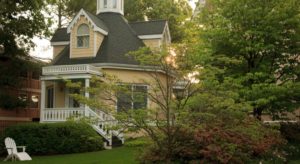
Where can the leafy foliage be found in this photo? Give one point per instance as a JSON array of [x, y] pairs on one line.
[[20, 21], [55, 138], [176, 12], [255, 45]]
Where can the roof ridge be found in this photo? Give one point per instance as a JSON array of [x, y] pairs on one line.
[[157, 20]]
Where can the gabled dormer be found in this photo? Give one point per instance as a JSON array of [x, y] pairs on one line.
[[87, 33], [154, 34]]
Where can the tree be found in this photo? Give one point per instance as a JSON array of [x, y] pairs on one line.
[[20, 21], [176, 12], [65, 10], [203, 123], [255, 43]]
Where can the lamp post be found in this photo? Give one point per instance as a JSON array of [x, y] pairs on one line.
[[2, 49]]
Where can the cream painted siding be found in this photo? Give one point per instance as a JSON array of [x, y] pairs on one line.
[[152, 43], [59, 95], [95, 41], [57, 50]]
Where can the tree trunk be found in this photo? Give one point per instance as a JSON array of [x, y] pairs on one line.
[[60, 14]]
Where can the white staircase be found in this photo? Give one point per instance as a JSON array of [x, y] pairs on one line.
[[106, 126]]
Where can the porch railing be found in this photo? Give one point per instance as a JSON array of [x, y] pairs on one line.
[[70, 69], [61, 114]]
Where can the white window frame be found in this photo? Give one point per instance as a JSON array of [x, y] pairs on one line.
[[132, 89], [83, 35]]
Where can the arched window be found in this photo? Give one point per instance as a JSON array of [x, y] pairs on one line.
[[83, 36]]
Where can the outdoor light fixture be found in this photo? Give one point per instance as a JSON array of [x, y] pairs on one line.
[[1, 49]]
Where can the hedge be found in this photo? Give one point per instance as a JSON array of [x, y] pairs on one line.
[[54, 138]]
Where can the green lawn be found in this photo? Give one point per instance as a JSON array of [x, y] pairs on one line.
[[122, 155]]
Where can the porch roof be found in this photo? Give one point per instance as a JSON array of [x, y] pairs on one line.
[[70, 71]]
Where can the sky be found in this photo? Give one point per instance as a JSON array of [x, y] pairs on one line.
[[44, 50]]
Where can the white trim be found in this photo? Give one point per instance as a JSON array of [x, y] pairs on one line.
[[43, 99], [167, 29], [71, 48], [95, 45], [60, 77], [94, 26], [54, 93], [128, 67], [102, 10], [63, 43], [154, 36]]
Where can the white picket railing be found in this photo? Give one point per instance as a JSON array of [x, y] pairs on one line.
[[61, 114], [102, 122], [70, 69]]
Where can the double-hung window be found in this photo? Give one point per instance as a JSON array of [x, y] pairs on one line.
[[83, 36], [132, 97]]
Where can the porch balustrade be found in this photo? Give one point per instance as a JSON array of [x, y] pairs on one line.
[[70, 69], [61, 114]]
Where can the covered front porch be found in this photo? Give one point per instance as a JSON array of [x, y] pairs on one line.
[[56, 103], [58, 106]]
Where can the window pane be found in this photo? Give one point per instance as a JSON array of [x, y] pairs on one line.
[[114, 4], [50, 97], [79, 41], [105, 3], [83, 41], [83, 30], [140, 97], [124, 99]]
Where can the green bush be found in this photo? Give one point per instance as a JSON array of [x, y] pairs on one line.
[[55, 138], [291, 131], [138, 142]]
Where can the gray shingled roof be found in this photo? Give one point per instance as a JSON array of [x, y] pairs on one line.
[[97, 21], [149, 27], [121, 39], [61, 35]]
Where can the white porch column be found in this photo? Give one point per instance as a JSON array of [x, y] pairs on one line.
[[43, 100], [87, 95]]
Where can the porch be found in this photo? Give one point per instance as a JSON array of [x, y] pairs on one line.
[[58, 106], [56, 103]]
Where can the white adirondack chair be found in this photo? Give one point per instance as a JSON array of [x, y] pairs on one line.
[[13, 153]]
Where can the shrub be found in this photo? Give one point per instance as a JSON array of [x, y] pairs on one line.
[[55, 138], [291, 131], [219, 143], [138, 142]]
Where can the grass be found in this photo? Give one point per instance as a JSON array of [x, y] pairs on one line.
[[122, 155]]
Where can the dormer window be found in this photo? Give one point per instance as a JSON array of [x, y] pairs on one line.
[[83, 36]]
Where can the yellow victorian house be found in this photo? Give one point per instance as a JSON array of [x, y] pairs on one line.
[[91, 45]]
